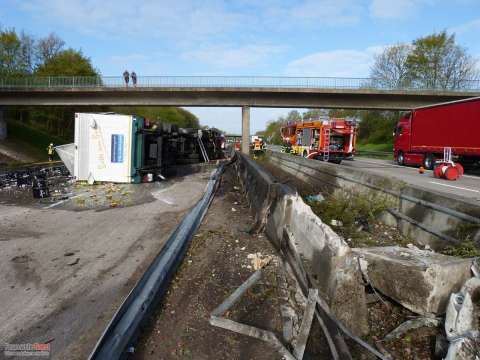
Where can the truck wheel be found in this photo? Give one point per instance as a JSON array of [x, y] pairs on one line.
[[400, 158], [429, 161]]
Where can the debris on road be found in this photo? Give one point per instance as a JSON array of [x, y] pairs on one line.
[[75, 262], [258, 260], [412, 324], [315, 198], [334, 222]]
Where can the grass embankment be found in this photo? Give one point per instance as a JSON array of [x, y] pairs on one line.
[[355, 216], [30, 141], [378, 151]]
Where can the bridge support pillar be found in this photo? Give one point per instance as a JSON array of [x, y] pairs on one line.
[[3, 124], [246, 129]]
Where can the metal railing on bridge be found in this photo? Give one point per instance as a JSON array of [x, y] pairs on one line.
[[73, 82]]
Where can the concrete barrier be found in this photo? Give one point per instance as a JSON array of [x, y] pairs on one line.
[[327, 261], [425, 216]]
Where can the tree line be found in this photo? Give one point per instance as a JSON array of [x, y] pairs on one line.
[[435, 61], [22, 54]]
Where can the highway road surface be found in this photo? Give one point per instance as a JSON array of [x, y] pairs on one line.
[[467, 187]]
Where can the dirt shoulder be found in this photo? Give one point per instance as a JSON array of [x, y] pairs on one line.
[[215, 265]]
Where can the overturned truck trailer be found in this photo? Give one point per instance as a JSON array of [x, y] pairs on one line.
[[123, 148]]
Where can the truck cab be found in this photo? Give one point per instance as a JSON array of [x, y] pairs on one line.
[[401, 142]]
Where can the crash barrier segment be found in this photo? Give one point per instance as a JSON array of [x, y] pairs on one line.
[[122, 331], [318, 257], [216, 319], [427, 216]]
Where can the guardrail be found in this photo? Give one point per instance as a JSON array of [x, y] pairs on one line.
[[123, 329], [29, 82], [453, 212]]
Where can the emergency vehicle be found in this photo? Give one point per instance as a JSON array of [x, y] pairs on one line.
[[329, 139]]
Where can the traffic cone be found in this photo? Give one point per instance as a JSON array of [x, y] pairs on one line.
[[421, 170]]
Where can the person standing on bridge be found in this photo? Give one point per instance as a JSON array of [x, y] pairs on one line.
[[50, 150], [134, 78], [126, 77]]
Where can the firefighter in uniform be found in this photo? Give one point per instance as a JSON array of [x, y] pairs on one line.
[[258, 147], [50, 150]]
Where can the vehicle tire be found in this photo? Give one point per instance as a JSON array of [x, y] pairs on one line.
[[400, 158], [429, 161]]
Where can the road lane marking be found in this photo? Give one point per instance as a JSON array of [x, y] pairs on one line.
[[456, 187], [405, 167]]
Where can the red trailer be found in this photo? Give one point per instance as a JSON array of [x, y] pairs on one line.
[[422, 135]]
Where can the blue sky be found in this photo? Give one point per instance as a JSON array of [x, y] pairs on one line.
[[244, 37]]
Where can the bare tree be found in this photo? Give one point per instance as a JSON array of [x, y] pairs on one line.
[[390, 69], [27, 52], [48, 47]]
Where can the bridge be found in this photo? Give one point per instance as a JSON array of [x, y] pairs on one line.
[[222, 91]]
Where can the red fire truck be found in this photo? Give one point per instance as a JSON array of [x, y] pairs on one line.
[[330, 139], [423, 135]]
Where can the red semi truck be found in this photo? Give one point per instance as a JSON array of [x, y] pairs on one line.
[[421, 135]]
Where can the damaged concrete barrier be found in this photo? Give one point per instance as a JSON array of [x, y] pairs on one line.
[[420, 280], [328, 262], [462, 321]]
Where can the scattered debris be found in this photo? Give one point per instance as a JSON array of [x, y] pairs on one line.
[[315, 198], [334, 222], [75, 262], [412, 324], [462, 321], [258, 260]]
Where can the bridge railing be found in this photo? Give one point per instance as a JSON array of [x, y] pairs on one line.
[[72, 82]]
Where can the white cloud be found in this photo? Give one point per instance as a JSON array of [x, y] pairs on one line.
[[282, 15], [327, 12], [335, 63], [467, 27], [395, 9], [150, 18], [231, 57]]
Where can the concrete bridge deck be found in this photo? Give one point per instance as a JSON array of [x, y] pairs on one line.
[[224, 91], [230, 96]]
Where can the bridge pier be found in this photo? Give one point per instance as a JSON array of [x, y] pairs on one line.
[[3, 124], [246, 129]]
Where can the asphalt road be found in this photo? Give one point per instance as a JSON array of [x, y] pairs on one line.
[[467, 187], [64, 270]]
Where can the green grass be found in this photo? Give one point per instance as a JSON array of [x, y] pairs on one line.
[[31, 141], [375, 147], [375, 150]]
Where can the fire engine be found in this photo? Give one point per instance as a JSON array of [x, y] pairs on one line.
[[329, 140]]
